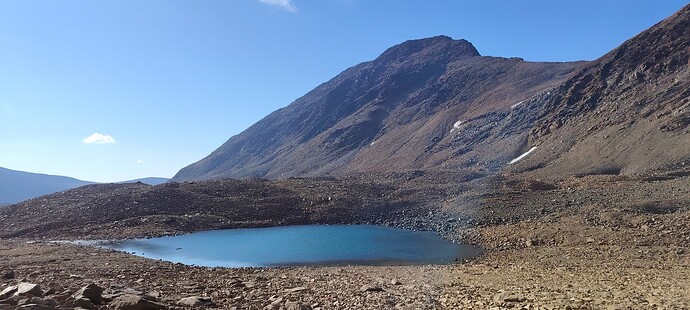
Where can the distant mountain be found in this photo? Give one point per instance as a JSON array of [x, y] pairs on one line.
[[149, 181], [16, 186], [436, 104], [404, 110]]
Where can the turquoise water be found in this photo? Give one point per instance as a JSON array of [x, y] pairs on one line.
[[300, 245]]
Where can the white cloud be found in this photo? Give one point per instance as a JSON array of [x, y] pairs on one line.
[[284, 4], [97, 138], [139, 162]]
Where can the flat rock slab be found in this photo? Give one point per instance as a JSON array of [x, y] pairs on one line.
[[25, 288], [21, 289], [134, 302], [195, 301]]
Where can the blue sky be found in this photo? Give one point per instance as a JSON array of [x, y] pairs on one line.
[[165, 82]]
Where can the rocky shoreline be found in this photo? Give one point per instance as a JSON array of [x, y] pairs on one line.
[[583, 243], [578, 277]]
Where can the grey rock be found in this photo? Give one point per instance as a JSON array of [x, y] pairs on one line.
[[275, 304], [7, 292], [48, 302], [84, 303], [91, 292], [134, 302], [26, 289], [508, 297], [35, 307], [7, 275], [196, 301], [292, 305], [371, 288], [154, 295], [296, 289], [21, 289]]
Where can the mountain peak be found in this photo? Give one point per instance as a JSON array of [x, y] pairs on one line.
[[441, 46]]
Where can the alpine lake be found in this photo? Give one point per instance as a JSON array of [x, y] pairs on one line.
[[299, 246]]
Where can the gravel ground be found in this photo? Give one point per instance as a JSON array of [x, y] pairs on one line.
[[582, 243]]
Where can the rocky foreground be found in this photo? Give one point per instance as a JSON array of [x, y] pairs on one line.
[[578, 277], [584, 243]]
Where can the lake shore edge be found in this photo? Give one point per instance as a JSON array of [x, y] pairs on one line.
[[595, 250]]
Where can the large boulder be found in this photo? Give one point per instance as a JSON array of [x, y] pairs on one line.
[[22, 289], [84, 303], [91, 292], [28, 289]]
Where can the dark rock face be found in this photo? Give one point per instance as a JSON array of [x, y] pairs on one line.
[[395, 112]]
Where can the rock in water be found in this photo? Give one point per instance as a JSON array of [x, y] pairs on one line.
[[91, 292], [195, 301], [134, 302]]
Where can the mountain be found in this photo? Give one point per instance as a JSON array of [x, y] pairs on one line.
[[436, 104], [149, 181], [404, 110], [17, 185], [625, 113]]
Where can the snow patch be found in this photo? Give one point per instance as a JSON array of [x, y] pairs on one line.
[[517, 104], [456, 126], [522, 156]]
